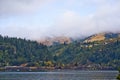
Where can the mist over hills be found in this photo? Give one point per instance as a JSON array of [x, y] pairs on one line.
[[73, 34], [67, 40], [99, 51], [55, 40], [38, 19]]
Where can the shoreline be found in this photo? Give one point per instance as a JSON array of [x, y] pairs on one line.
[[47, 69]]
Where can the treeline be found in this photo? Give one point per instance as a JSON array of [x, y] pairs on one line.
[[17, 51], [95, 55]]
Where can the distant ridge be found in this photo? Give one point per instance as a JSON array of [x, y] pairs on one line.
[[66, 40], [55, 40], [102, 36]]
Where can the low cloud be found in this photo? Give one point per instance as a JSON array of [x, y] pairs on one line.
[[24, 32], [105, 18], [70, 22]]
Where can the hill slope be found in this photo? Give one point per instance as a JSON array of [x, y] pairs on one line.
[[16, 51], [55, 40], [98, 54], [103, 53], [102, 36]]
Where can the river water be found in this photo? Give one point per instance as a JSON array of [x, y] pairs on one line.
[[60, 75]]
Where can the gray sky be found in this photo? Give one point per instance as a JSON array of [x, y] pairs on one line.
[[36, 19]]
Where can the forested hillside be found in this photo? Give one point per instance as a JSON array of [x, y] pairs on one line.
[[96, 54], [102, 54], [16, 51]]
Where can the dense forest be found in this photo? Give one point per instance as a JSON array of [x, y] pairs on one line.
[[95, 54], [78, 54], [16, 51]]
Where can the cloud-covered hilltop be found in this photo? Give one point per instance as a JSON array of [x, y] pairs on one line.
[[37, 19], [55, 40]]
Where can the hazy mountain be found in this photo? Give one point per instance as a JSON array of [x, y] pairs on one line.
[[55, 40]]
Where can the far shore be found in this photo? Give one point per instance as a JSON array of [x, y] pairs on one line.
[[40, 69]]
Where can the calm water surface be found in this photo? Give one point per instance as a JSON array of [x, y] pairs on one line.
[[60, 75]]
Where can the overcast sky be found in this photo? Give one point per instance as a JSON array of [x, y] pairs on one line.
[[36, 19]]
